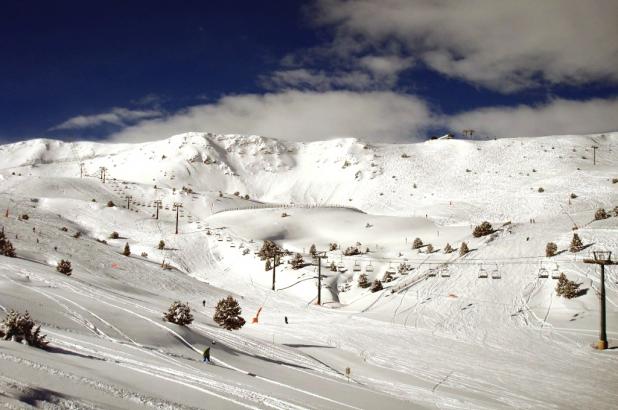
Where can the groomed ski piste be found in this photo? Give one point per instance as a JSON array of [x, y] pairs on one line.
[[481, 331]]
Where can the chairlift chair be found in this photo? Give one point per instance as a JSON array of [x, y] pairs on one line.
[[555, 273], [495, 274], [341, 267], [444, 272], [543, 272], [356, 267], [432, 272], [369, 268], [483, 273]]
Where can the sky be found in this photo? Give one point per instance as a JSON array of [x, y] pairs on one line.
[[378, 70]]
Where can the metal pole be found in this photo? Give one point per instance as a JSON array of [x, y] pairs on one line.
[[274, 266], [177, 220], [319, 280], [602, 344]]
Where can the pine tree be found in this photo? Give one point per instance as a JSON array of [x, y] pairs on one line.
[[64, 267], [567, 288], [21, 328], [333, 267], [600, 214], [298, 261], [179, 313], [363, 281], [127, 250], [576, 244], [269, 250], [161, 244], [6, 247], [429, 248], [483, 229], [463, 249], [417, 243], [227, 314], [312, 251], [267, 265], [376, 286], [448, 248], [550, 249]]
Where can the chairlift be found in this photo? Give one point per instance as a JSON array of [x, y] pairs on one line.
[[432, 272], [483, 273], [555, 273], [341, 267], [495, 274], [444, 272], [369, 268], [543, 272], [356, 267], [229, 239]]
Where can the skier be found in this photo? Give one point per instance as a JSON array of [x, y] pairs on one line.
[[204, 302], [206, 355], [286, 319]]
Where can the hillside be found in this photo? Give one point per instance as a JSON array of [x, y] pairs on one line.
[[438, 334]]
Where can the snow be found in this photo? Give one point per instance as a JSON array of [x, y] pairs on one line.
[[452, 340]]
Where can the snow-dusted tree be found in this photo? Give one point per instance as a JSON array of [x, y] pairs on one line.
[[6, 247], [21, 328], [351, 250], [64, 267], [376, 286], [430, 248], [333, 246], [576, 244], [179, 313], [403, 268], [269, 250], [417, 243], [268, 265], [312, 250], [333, 267], [127, 250], [227, 314], [387, 277], [567, 288], [114, 235], [483, 229], [463, 249], [550, 249], [448, 248], [363, 281], [600, 214], [297, 261], [161, 244], [110, 204]]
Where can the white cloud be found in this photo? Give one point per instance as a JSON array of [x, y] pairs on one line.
[[117, 116], [319, 80], [296, 115], [557, 117], [504, 45]]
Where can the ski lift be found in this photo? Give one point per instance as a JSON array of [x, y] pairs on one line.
[[229, 239], [444, 272], [341, 267], [356, 267], [483, 273], [543, 272], [432, 272], [555, 273], [219, 239], [495, 274], [369, 268]]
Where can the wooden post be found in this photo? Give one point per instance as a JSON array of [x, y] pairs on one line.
[[319, 279], [157, 205], [274, 268], [594, 154], [602, 260]]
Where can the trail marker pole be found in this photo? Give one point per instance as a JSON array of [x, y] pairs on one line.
[[594, 154], [602, 258]]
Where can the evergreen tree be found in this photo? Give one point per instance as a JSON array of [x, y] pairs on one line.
[[550, 249], [417, 243], [463, 249], [312, 251], [269, 250], [227, 314], [567, 288], [6, 247], [298, 261], [179, 313], [576, 244], [161, 244], [21, 329], [333, 267], [429, 248], [64, 267], [483, 229], [267, 265], [376, 286], [448, 248], [363, 281], [127, 250]]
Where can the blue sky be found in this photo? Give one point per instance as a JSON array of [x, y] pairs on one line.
[[389, 70]]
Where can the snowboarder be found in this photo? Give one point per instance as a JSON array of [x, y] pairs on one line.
[[286, 319], [206, 355], [204, 302]]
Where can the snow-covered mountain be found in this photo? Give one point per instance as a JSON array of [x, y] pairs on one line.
[[438, 334]]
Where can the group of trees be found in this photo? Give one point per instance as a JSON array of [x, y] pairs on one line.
[[6, 247], [21, 328], [567, 288], [227, 314]]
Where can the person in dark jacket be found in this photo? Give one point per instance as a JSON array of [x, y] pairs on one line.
[[206, 355]]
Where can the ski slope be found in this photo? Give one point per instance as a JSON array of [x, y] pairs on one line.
[[437, 335]]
